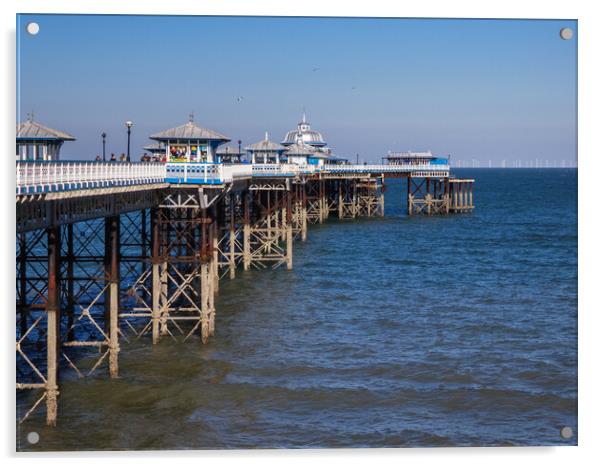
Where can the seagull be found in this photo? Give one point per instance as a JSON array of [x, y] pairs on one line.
[[352, 88], [315, 69], [239, 99]]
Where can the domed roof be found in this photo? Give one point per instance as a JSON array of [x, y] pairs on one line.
[[304, 134]]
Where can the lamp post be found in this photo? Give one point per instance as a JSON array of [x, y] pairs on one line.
[[239, 152], [128, 125], [104, 146]]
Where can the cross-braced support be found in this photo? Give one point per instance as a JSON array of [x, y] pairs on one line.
[[90, 295], [171, 293], [33, 324], [229, 234], [268, 226], [136, 274], [316, 200], [184, 268], [370, 197], [428, 195], [299, 206], [81, 280], [352, 196], [38, 333]]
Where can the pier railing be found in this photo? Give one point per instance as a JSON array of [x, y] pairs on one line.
[[276, 169], [45, 177], [206, 173], [409, 168]]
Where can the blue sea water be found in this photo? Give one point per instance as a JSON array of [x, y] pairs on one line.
[[456, 330]]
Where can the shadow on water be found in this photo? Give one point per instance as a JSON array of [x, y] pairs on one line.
[[456, 330]]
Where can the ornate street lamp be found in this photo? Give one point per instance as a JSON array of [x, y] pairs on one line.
[[128, 125], [104, 146]]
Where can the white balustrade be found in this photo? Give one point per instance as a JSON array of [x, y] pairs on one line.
[[276, 169], [43, 177], [400, 168]]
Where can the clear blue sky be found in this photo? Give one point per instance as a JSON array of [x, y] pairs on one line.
[[476, 89]]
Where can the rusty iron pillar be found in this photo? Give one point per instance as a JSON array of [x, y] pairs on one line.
[[112, 278], [53, 328]]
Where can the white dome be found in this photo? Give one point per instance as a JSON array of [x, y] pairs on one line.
[[304, 135]]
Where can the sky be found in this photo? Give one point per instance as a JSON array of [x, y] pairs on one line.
[[478, 90]]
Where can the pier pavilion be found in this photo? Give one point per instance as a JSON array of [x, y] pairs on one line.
[[38, 142], [304, 154], [190, 143], [305, 135], [414, 158], [265, 151], [310, 141]]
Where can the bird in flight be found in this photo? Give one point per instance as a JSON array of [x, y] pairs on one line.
[[315, 69], [239, 99]]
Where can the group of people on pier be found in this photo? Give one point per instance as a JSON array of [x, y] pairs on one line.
[[123, 158]]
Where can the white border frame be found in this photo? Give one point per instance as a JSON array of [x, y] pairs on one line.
[[590, 105]]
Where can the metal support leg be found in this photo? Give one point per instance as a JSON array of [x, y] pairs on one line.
[[246, 234], [23, 312], [215, 257], [156, 274], [409, 196], [112, 295], [53, 328], [70, 309], [340, 183], [303, 214], [289, 232], [211, 300], [321, 200], [205, 291], [470, 204], [382, 196], [232, 240]]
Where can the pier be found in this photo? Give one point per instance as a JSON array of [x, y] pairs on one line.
[[109, 253]]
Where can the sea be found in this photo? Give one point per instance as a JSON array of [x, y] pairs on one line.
[[401, 331]]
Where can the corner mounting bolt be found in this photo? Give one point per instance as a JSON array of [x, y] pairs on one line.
[[566, 33], [32, 28]]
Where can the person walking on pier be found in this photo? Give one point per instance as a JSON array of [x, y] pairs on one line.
[[122, 157], [113, 158], [98, 159]]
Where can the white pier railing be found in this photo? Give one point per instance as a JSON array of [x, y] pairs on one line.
[[276, 169], [206, 173], [44, 177], [409, 168]]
